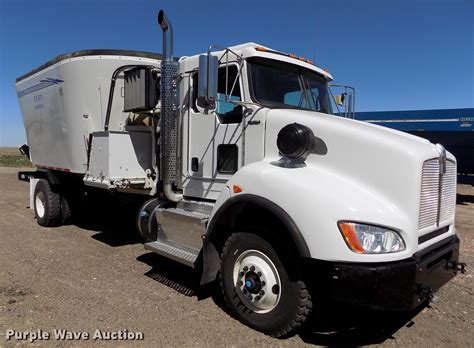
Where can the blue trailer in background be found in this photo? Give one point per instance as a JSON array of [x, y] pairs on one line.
[[453, 128]]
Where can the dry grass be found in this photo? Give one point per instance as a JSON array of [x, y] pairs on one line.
[[11, 157]]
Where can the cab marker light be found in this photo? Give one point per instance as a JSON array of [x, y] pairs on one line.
[[260, 48]]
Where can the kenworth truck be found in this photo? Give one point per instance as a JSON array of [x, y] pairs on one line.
[[248, 176]]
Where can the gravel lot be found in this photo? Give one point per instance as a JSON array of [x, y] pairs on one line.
[[98, 276]]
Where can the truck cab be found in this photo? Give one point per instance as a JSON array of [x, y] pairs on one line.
[[251, 81]]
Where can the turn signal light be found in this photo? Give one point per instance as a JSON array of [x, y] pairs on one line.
[[237, 189], [350, 236]]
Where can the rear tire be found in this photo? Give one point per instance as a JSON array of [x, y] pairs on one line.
[[47, 205], [260, 288], [66, 214]]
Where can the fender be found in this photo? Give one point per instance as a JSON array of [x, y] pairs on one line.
[[211, 254], [316, 197]]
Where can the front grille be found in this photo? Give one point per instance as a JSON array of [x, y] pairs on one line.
[[448, 195], [434, 208]]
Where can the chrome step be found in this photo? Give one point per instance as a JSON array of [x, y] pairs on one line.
[[196, 206], [188, 213], [183, 255], [180, 227]]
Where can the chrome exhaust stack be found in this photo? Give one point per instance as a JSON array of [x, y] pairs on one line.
[[169, 91], [167, 35]]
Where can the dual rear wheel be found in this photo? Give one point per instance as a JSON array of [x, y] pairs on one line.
[[51, 208]]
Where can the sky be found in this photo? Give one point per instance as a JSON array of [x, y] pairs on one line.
[[398, 54]]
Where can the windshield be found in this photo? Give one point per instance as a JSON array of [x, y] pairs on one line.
[[276, 84]]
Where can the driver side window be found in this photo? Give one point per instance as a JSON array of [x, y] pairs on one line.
[[227, 112]]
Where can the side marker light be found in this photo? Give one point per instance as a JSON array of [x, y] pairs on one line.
[[237, 189]]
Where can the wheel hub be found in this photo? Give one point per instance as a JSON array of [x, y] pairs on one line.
[[253, 283], [40, 204], [255, 276]]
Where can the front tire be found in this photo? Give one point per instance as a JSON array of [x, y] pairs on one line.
[[47, 205], [261, 287]]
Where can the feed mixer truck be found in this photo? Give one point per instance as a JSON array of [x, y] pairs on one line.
[[247, 176]]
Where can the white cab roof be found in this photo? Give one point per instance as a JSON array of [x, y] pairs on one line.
[[252, 49]]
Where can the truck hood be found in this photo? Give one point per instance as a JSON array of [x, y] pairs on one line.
[[384, 162]]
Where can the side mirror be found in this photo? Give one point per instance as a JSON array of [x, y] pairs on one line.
[[339, 99], [207, 84]]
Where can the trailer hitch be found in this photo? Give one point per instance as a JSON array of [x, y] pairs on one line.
[[457, 267]]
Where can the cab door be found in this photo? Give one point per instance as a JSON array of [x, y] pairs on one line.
[[215, 138]]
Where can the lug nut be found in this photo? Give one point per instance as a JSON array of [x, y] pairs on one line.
[[252, 268], [261, 293], [262, 282], [246, 269], [241, 274], [257, 298], [244, 291], [250, 298], [259, 274], [240, 283]]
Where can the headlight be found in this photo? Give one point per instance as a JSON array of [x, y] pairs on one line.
[[368, 239]]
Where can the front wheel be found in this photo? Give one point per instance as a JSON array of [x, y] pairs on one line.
[[260, 289]]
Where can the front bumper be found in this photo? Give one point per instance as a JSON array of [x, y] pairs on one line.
[[401, 285]]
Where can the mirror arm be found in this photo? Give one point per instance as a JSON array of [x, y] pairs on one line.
[[247, 110]]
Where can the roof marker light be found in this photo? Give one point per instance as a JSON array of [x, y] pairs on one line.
[[292, 55], [260, 48]]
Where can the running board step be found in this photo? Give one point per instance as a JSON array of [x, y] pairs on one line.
[[183, 255]]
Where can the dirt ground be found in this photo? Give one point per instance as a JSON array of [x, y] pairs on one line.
[[97, 275]]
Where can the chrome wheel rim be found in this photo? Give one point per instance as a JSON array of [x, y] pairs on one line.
[[257, 281], [40, 204]]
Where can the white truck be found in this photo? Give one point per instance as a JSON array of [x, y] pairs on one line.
[[248, 176]]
